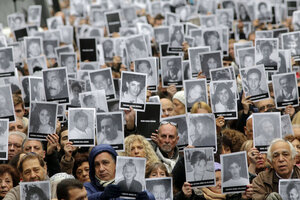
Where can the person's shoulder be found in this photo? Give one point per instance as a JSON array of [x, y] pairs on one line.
[[13, 194]]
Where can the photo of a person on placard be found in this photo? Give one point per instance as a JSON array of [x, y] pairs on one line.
[[132, 89], [5, 105], [108, 130], [81, 129], [224, 99], [247, 61], [36, 193], [144, 66], [199, 166], [212, 39], [234, 169], [6, 62], [56, 84], [263, 12], [129, 184], [254, 82], [76, 88], [288, 90], [292, 191], [266, 49], [42, 119], [243, 13], [176, 37], [136, 48], [102, 81], [266, 131], [160, 188], [173, 72], [33, 47], [196, 93]]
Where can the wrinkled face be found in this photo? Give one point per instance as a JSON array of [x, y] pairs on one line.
[[134, 88], [234, 170], [282, 160], [4, 60], [268, 127], [217, 188], [100, 82], [34, 146], [248, 61], [200, 166], [17, 126], [157, 173], [82, 123], [266, 52], [105, 166], [284, 84], [14, 145], [107, 127], [129, 172], [82, 172], [159, 192], [167, 108], [33, 171], [34, 49], [54, 84], [223, 96], [293, 194], [6, 183], [44, 117], [212, 63], [137, 149], [167, 138], [253, 81]]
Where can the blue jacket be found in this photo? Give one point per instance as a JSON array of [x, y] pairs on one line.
[[93, 188]]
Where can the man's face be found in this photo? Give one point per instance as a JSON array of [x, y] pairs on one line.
[[282, 160], [134, 88], [284, 84], [91, 102], [249, 129], [248, 61], [14, 145], [34, 49], [265, 104], [167, 138], [235, 169], [172, 67], [100, 82], [82, 123], [223, 96], [70, 63], [34, 146], [77, 194], [143, 68], [33, 171], [268, 127], [4, 60], [266, 52], [213, 42], [129, 172], [212, 63], [159, 192], [105, 166], [107, 127], [76, 90], [54, 83], [167, 108], [64, 139], [253, 81], [17, 126]]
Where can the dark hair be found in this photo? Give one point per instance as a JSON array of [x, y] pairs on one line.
[[5, 168], [155, 166], [35, 117], [173, 37], [33, 189], [133, 77], [197, 156], [30, 156], [65, 185], [261, 4], [79, 160], [231, 100], [254, 71], [80, 114], [138, 62], [208, 34], [76, 84], [291, 186], [86, 98], [266, 44]]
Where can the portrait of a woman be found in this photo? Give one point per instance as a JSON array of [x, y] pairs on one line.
[[224, 99], [176, 37], [292, 191], [43, 119]]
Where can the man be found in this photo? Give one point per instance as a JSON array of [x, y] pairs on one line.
[[15, 140], [99, 82], [108, 50], [56, 84], [108, 132], [266, 50], [167, 108], [75, 90], [266, 131], [253, 82], [71, 189], [265, 105], [89, 101], [31, 168], [166, 149], [81, 129], [173, 73], [134, 88], [5, 64], [281, 154], [287, 92], [33, 48], [248, 129], [18, 125], [70, 63]]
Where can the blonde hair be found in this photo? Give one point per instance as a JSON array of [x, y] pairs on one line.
[[150, 154], [202, 105], [247, 145]]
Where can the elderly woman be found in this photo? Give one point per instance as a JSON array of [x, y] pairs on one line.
[[9, 178], [138, 146]]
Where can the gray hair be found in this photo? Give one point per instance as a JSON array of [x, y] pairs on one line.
[[292, 148], [18, 133]]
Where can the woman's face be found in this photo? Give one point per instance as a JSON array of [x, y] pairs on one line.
[[82, 172], [293, 194], [137, 149], [223, 96], [195, 93], [129, 173], [158, 173], [217, 188], [44, 117], [212, 63], [213, 42], [178, 35], [35, 197], [248, 61], [6, 183], [200, 166], [234, 170]]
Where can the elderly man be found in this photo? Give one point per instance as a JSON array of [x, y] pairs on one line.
[[15, 140], [249, 128], [281, 154], [31, 168], [102, 161], [167, 107], [69, 189]]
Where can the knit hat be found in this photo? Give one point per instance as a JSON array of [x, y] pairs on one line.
[[217, 166], [180, 96]]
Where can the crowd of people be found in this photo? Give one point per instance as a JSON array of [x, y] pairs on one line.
[[227, 70]]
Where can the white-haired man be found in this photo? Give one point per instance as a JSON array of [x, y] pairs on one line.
[[281, 155]]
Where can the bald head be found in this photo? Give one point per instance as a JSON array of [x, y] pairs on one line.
[[167, 107]]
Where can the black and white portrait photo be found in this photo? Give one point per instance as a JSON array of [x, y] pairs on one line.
[[113, 21], [208, 21], [254, 82], [78, 8], [145, 29], [15, 20], [54, 22], [88, 66], [161, 34], [155, 8], [4, 139], [176, 37], [136, 47], [194, 58], [83, 75], [213, 38], [75, 88], [246, 57], [171, 71], [263, 10], [81, 125], [129, 14], [66, 34], [291, 41], [225, 18], [296, 18], [36, 65], [161, 188], [197, 35], [264, 34], [243, 12], [69, 61], [95, 99], [266, 127], [97, 17], [266, 53], [223, 98], [133, 90], [33, 46], [202, 130], [7, 66], [210, 60], [34, 14], [171, 18], [284, 64], [110, 129], [130, 175], [25, 91], [183, 12], [35, 190], [195, 91], [289, 189], [148, 66], [225, 73], [37, 91], [102, 80], [56, 85], [286, 125], [49, 48], [241, 45], [187, 72], [235, 177], [108, 49], [42, 120], [32, 30], [199, 166], [285, 89], [6, 103], [206, 6]]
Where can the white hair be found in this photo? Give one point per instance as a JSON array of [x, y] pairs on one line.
[[292, 148], [18, 133]]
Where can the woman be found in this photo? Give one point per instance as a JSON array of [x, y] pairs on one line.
[[236, 178], [9, 178], [295, 140], [243, 13], [179, 103], [156, 170], [81, 168], [138, 146], [35, 193], [224, 100], [292, 191], [195, 93], [177, 37], [45, 118]]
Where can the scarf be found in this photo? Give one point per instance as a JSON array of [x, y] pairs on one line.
[[168, 162], [210, 195], [105, 183]]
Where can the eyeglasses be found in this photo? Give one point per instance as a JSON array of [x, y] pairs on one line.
[[167, 122], [266, 107]]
